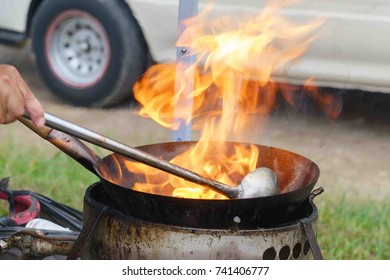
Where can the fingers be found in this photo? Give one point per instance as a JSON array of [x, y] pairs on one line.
[[16, 98], [31, 104], [12, 108], [11, 102], [35, 109]]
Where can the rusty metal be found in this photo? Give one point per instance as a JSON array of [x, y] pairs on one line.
[[71, 146], [141, 239], [87, 231], [4, 246], [309, 231], [35, 244]]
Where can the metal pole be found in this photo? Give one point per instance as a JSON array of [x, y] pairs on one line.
[[184, 106]]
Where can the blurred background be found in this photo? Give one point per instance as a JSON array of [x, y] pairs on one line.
[[351, 150]]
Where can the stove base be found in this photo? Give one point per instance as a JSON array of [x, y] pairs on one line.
[[119, 236]]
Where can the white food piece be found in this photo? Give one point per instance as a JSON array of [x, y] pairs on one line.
[[260, 182]]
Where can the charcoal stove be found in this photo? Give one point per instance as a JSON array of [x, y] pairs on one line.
[[283, 230], [121, 223], [110, 234]]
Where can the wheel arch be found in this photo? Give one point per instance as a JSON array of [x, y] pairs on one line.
[[34, 5], [129, 11]]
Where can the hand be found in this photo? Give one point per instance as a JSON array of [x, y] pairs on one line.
[[16, 98]]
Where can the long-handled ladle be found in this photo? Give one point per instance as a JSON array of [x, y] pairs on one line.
[[258, 183]]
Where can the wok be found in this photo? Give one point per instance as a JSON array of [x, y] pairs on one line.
[[296, 174]]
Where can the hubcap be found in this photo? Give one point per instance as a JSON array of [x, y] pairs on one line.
[[77, 48]]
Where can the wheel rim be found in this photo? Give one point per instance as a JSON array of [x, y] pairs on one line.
[[77, 49]]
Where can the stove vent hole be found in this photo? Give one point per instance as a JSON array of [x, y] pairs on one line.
[[284, 253], [269, 254], [306, 247], [297, 250]]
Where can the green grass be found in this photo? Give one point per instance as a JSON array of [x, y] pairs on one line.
[[352, 230], [346, 229], [55, 175]]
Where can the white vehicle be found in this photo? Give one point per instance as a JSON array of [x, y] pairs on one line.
[[91, 52]]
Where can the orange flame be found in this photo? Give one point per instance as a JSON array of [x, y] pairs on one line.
[[232, 95]]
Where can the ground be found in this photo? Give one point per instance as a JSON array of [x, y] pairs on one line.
[[352, 152]]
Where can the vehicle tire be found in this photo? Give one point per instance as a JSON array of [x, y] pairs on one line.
[[89, 53]]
